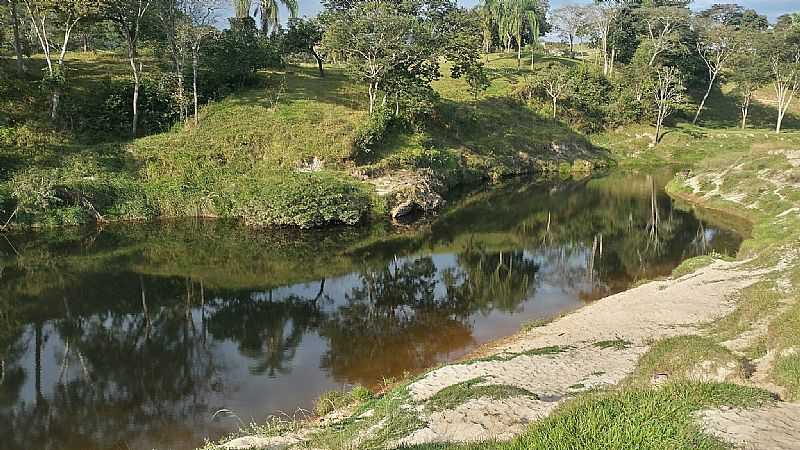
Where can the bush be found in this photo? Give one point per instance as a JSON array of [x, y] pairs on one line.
[[233, 58], [372, 132], [305, 200], [109, 109]]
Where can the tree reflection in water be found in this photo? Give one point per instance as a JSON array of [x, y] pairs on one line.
[[134, 335]]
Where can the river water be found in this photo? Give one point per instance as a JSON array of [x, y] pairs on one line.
[[133, 336]]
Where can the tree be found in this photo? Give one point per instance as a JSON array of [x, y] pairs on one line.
[[600, 16], [662, 24], [128, 16], [752, 72], [668, 94], [377, 40], [554, 80], [716, 45], [517, 13], [477, 80], [170, 19], [304, 36], [268, 9], [487, 26], [241, 8], [13, 12], [784, 63], [48, 16], [199, 24], [569, 21]]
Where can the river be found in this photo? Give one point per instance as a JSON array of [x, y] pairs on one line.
[[134, 336]]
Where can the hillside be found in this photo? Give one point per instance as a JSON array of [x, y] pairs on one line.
[[251, 156]]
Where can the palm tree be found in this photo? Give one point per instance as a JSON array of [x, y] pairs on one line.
[[242, 8], [269, 12]]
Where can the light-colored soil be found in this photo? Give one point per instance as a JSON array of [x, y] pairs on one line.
[[770, 428]]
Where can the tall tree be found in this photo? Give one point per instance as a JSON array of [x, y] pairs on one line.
[[668, 94], [784, 63], [663, 24], [52, 16], [170, 17], [269, 12], [129, 16], [752, 71], [241, 8], [600, 16], [13, 13], [569, 21], [198, 26], [304, 36], [716, 45]]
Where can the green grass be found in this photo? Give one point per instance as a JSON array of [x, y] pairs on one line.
[[458, 394], [397, 422], [334, 400], [616, 344], [691, 265], [692, 358], [653, 419]]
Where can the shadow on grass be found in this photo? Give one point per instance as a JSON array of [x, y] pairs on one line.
[[303, 83], [722, 111], [493, 127]]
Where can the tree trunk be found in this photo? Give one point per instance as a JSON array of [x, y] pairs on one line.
[[17, 40], [54, 100], [659, 122], [373, 92], [571, 46], [745, 111], [194, 85], [519, 52], [555, 104], [319, 62], [613, 58], [705, 97], [136, 83], [533, 57]]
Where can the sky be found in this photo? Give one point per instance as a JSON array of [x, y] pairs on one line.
[[772, 8]]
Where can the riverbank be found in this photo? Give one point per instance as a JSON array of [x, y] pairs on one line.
[[717, 339], [295, 150]]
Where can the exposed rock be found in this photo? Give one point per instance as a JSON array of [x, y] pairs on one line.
[[409, 191], [260, 443]]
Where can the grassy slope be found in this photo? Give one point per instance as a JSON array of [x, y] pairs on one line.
[[242, 160]]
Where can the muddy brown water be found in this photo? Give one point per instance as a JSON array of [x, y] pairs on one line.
[[133, 336]]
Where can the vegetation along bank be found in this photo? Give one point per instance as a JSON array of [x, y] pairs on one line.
[[377, 108]]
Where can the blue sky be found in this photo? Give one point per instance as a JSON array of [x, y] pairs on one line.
[[772, 8]]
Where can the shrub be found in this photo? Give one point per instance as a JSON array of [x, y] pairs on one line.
[[305, 200], [371, 133], [232, 59], [109, 111]]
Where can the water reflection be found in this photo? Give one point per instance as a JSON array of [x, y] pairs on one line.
[[132, 336]]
